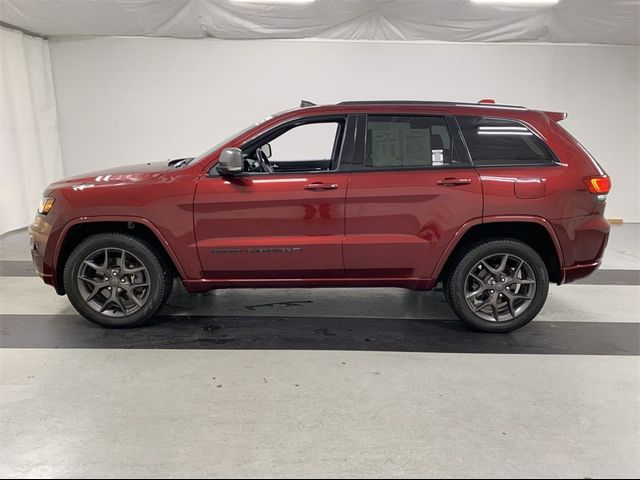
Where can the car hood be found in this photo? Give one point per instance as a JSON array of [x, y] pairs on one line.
[[112, 176]]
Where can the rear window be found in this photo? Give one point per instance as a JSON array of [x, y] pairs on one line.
[[503, 142]]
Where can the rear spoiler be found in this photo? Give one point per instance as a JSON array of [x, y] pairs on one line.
[[556, 116]]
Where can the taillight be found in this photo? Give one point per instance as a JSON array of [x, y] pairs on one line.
[[599, 185]]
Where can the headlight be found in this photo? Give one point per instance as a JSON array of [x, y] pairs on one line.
[[45, 205]]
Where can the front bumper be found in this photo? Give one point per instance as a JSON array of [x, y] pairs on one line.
[[39, 236]]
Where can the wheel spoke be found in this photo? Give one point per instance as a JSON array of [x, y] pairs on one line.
[[133, 297], [93, 281], [503, 263], [484, 304], [489, 267], [97, 286], [509, 301], [94, 266], [104, 305], [518, 296], [127, 270], [475, 293], [515, 273], [93, 293], [118, 302], [494, 311], [121, 260]]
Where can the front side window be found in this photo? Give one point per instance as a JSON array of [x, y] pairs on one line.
[[308, 147], [502, 142], [406, 142]]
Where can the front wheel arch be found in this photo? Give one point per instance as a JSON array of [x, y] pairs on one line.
[[76, 232]]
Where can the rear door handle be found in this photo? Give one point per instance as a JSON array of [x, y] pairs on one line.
[[452, 182], [318, 186]]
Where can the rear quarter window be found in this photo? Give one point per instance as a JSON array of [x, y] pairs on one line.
[[498, 142]]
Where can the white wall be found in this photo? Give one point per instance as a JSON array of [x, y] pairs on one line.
[[127, 100]]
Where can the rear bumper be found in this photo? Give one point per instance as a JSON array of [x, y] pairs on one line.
[[579, 271], [582, 240]]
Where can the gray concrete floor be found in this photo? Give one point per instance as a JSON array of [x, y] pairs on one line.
[[320, 411]]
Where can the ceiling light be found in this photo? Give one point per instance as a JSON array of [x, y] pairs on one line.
[[274, 2], [518, 2]]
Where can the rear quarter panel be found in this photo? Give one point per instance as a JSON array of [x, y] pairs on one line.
[[561, 196]]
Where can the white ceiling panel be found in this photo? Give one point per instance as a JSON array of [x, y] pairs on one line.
[[568, 21]]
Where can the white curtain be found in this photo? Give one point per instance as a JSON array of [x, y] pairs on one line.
[[29, 142], [569, 21]]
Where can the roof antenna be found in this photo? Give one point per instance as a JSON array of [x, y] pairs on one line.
[[306, 103]]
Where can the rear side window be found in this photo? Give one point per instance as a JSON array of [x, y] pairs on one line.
[[503, 142], [397, 142]]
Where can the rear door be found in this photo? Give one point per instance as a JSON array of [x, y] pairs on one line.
[[411, 189], [287, 222]]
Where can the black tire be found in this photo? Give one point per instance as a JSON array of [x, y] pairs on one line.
[[158, 275], [445, 291], [462, 278]]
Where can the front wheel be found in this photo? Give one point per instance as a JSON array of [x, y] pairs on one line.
[[116, 280], [498, 285]]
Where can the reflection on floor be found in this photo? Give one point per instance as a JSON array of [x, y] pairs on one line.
[[349, 382]]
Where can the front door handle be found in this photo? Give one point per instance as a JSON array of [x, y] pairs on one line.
[[452, 181], [318, 186]]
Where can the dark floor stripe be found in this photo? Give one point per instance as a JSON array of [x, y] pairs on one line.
[[24, 268], [313, 333]]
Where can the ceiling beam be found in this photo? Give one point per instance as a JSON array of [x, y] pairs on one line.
[[26, 32]]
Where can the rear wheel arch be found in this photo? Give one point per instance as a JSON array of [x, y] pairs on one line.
[[534, 232], [75, 232]]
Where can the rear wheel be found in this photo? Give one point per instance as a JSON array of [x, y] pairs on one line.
[[116, 280], [498, 285]]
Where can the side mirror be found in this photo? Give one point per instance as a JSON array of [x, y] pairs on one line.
[[266, 149], [230, 162]]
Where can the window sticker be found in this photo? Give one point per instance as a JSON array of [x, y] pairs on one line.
[[437, 157], [385, 147], [416, 144]]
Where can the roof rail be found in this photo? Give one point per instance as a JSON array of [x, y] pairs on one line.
[[431, 102]]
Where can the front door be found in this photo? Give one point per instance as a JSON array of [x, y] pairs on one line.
[[411, 189], [284, 216]]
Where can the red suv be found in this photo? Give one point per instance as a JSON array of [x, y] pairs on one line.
[[494, 201]]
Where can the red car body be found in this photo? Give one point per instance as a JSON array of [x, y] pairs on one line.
[[375, 228]]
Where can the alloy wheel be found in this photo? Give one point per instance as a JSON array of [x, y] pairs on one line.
[[500, 287], [113, 282]]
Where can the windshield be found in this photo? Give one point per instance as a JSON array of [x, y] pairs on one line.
[[228, 139]]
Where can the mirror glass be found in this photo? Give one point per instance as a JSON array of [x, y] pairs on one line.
[[266, 149]]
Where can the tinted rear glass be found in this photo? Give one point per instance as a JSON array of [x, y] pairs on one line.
[[503, 142], [410, 142]]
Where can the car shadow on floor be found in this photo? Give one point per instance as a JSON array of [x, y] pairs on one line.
[[320, 333]]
